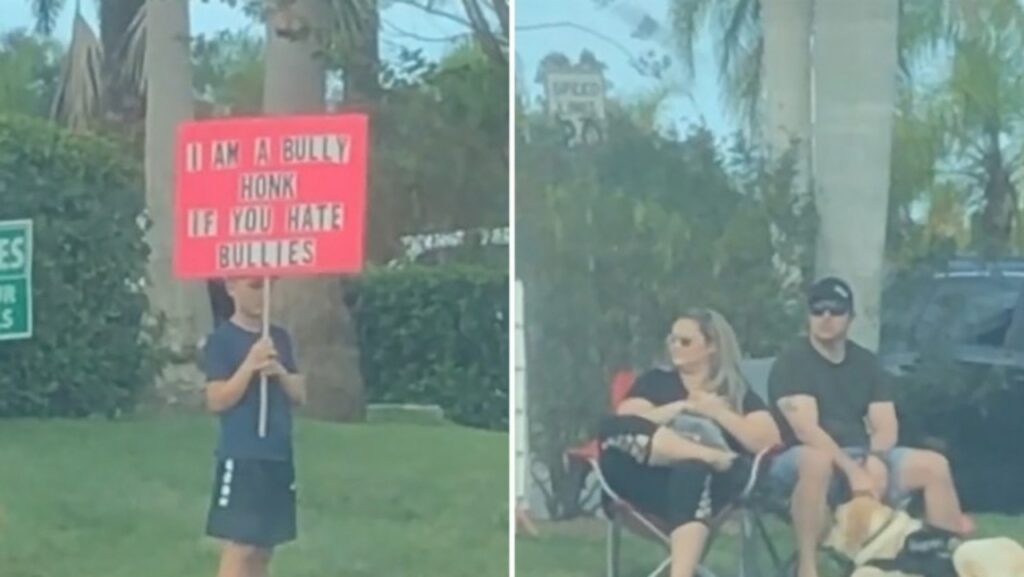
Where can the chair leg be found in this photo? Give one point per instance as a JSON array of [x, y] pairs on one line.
[[748, 553], [788, 569], [663, 568], [614, 545], [769, 544]]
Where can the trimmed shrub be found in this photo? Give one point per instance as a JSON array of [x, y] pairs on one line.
[[88, 354], [436, 335]]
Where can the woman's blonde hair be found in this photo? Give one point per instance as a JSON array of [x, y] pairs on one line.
[[725, 375]]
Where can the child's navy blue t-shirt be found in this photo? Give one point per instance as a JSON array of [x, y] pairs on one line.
[[223, 353]]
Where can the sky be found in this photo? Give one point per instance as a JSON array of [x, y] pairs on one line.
[[212, 16], [610, 39], [696, 102], [207, 17]]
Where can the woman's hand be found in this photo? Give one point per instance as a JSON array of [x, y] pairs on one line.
[[720, 460], [708, 404]]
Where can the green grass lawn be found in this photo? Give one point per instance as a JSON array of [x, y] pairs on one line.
[[577, 549], [129, 499]]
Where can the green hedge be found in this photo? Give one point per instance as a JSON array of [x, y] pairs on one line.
[[436, 335], [88, 354]]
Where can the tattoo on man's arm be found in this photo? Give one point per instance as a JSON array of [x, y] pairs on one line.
[[787, 405]]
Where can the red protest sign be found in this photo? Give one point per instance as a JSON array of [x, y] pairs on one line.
[[275, 196]]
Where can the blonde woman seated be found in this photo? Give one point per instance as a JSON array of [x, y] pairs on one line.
[[668, 473]]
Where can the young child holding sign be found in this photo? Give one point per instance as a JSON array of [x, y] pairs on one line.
[[252, 509]]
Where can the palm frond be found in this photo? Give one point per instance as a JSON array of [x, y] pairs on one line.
[[78, 94], [925, 27], [351, 17], [742, 82], [738, 26], [133, 53], [740, 49], [735, 26], [45, 12], [689, 18]]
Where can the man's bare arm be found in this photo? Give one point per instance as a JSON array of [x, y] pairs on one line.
[[801, 412], [884, 425]]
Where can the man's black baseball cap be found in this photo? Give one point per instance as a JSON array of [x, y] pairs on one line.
[[831, 289]]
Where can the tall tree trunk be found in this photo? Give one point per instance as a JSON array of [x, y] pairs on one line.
[[312, 309], [994, 237], [169, 102], [786, 74], [855, 51], [362, 67], [480, 23], [786, 81]]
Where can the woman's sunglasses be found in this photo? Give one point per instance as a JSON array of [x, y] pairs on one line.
[[681, 341]]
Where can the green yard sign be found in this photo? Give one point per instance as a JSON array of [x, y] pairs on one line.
[[15, 279]]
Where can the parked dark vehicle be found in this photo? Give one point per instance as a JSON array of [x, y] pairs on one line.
[[972, 310]]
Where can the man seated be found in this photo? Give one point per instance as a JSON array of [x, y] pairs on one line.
[[836, 414]]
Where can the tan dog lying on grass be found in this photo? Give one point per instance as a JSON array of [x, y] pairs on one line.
[[883, 542]]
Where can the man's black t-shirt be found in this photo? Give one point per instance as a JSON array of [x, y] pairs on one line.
[[843, 391], [661, 387]]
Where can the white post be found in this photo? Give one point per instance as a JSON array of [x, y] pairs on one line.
[[263, 376], [522, 447]]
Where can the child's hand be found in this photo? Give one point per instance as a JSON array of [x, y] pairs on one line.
[[261, 355], [274, 369]]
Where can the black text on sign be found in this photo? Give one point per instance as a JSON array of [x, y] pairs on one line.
[[202, 223], [249, 254], [318, 217], [261, 186], [251, 220], [302, 149]]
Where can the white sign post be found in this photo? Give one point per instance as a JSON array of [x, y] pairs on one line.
[[521, 416], [263, 376]]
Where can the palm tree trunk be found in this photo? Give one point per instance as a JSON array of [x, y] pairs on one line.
[[786, 69], [786, 82], [312, 309], [169, 102], [998, 217], [855, 55], [362, 67]]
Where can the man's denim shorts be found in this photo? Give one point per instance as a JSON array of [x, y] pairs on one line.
[[785, 468]]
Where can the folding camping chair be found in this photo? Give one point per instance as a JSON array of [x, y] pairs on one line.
[[750, 508], [746, 508]]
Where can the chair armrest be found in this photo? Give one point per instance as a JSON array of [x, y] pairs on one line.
[[587, 452]]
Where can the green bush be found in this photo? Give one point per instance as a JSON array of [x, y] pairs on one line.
[[436, 335], [88, 354]]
